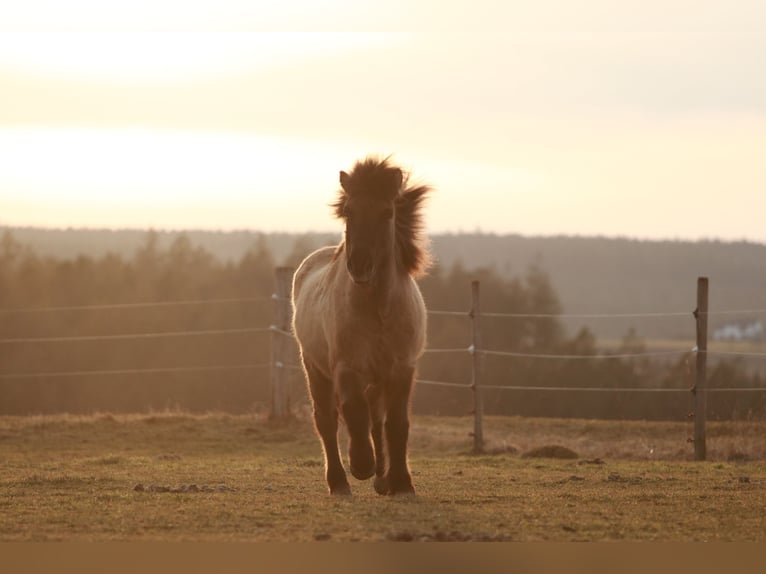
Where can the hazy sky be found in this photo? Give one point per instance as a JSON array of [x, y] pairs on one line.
[[643, 119]]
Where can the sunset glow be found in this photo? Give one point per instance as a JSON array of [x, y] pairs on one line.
[[167, 58], [544, 131]]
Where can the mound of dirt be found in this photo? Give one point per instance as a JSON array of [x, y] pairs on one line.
[[550, 451]]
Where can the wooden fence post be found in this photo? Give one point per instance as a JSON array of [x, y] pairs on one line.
[[280, 344], [478, 403], [700, 399]]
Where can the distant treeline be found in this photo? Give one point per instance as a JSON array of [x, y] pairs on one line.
[[40, 296], [591, 274]]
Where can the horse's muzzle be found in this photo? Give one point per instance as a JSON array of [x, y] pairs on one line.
[[361, 276], [361, 281]]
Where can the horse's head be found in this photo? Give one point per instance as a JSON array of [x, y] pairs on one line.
[[383, 221], [367, 204]]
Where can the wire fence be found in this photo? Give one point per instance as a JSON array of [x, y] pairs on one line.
[[470, 350], [128, 336], [282, 362], [137, 305], [696, 390], [160, 370], [599, 357]]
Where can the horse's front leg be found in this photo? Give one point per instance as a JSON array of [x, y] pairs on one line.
[[374, 394], [397, 427], [356, 413], [326, 422]]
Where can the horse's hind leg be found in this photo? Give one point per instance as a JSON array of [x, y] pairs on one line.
[[356, 413], [397, 426], [326, 421]]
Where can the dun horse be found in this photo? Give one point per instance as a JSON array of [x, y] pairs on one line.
[[360, 322]]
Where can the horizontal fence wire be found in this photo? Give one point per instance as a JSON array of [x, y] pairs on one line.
[[441, 383], [158, 370], [449, 313], [585, 315], [276, 329], [153, 335], [734, 353], [139, 305], [127, 336], [736, 312], [582, 357], [586, 389], [595, 315], [448, 350]]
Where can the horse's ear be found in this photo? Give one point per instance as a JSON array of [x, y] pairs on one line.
[[344, 177]]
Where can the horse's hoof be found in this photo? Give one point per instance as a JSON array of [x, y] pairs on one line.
[[362, 461], [362, 474], [381, 485], [341, 490], [405, 492], [401, 487]]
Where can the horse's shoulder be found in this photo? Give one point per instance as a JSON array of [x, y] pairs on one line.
[[313, 261], [318, 258]]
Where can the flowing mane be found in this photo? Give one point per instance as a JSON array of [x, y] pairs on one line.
[[372, 177]]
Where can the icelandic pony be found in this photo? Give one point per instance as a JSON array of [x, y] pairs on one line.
[[360, 322]]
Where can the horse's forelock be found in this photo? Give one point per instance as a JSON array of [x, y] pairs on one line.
[[373, 177]]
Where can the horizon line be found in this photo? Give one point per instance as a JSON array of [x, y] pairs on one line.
[[475, 232]]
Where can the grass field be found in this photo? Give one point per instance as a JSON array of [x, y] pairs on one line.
[[225, 478]]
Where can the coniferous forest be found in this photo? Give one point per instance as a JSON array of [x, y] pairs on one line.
[[101, 317]]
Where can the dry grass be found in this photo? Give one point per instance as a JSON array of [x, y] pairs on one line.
[[623, 440], [74, 478]]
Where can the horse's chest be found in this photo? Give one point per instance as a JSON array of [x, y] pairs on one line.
[[372, 339], [376, 345]]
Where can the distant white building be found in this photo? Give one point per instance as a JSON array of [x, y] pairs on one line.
[[750, 332]]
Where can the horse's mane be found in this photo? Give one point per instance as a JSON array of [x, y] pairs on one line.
[[373, 176]]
